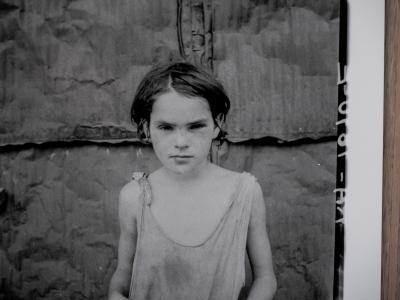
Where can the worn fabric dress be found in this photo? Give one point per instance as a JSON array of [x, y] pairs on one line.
[[214, 270]]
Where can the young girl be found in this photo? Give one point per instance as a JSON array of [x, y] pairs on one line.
[[185, 227]]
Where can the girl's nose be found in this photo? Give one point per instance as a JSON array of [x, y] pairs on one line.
[[181, 140]]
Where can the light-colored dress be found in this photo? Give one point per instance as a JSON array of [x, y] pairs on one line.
[[213, 270]]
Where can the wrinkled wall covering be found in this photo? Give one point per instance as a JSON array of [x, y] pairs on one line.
[[59, 227], [68, 70], [278, 61]]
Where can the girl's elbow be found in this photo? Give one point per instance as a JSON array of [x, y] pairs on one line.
[[264, 287], [118, 288], [270, 283], [273, 285]]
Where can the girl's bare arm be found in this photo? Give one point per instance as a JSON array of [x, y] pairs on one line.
[[264, 281], [127, 212]]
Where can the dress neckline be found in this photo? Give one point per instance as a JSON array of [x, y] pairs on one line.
[[233, 196]]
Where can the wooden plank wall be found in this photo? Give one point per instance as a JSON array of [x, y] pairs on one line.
[[391, 161], [276, 59]]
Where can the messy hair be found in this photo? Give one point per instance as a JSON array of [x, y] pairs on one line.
[[185, 79]]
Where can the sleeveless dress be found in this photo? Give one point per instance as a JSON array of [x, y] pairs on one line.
[[214, 270]]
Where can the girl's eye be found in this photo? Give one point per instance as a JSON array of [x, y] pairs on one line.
[[197, 126], [165, 127]]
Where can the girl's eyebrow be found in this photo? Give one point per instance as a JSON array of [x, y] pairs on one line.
[[199, 121], [162, 122]]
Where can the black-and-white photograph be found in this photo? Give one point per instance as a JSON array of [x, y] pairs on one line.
[[180, 149]]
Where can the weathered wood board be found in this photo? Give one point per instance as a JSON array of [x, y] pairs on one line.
[[68, 69], [59, 225]]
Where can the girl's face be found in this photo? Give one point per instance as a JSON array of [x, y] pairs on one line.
[[181, 131]]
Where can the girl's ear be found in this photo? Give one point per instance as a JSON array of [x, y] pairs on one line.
[[145, 131], [216, 132], [217, 127]]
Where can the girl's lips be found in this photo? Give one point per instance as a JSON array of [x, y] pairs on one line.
[[181, 159]]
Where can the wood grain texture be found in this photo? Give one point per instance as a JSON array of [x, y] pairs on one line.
[[391, 165], [278, 63], [68, 71]]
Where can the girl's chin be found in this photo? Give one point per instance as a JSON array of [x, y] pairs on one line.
[[185, 167]]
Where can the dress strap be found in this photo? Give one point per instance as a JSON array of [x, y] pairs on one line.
[[138, 175], [144, 183], [141, 178]]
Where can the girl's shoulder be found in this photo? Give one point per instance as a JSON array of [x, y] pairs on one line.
[[130, 193], [133, 186], [248, 184], [244, 181], [234, 175]]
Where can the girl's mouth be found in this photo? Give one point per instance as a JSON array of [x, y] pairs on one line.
[[181, 159]]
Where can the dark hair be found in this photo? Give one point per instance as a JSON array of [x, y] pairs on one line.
[[185, 79]]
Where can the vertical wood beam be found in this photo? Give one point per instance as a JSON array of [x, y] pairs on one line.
[[391, 161], [195, 31]]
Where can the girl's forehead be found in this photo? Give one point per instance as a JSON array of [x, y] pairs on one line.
[[178, 106]]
